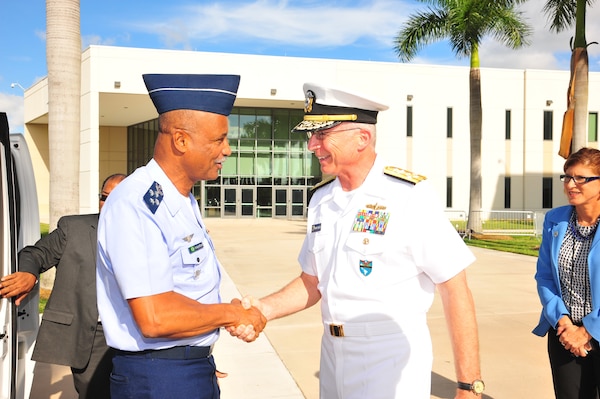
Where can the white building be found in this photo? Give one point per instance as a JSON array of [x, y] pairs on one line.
[[269, 174]]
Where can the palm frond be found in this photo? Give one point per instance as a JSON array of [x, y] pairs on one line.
[[561, 14], [421, 29]]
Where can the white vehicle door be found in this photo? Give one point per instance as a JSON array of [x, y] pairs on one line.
[[19, 226]]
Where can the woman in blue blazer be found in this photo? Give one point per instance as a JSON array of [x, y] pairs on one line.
[[568, 280]]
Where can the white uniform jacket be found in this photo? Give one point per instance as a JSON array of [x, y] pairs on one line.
[[378, 252]]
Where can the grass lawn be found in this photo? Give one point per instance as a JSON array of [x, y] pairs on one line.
[[524, 245], [44, 294]]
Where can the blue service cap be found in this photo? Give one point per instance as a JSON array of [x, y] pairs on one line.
[[209, 93]]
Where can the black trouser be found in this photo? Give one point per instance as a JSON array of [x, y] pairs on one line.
[[574, 377], [93, 381]]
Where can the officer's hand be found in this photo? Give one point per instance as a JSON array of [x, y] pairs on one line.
[[18, 285], [244, 332], [220, 374], [251, 322]]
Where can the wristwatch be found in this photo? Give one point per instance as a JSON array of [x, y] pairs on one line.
[[476, 386]]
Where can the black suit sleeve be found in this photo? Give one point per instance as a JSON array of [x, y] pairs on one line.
[[46, 253]]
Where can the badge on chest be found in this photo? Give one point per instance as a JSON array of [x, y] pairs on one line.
[[374, 219], [366, 266]]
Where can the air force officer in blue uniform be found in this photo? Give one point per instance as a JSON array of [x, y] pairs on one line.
[[158, 275]]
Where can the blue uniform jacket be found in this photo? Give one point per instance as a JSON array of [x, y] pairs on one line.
[[548, 284]]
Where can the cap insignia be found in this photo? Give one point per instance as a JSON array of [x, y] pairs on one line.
[[308, 101], [403, 174]]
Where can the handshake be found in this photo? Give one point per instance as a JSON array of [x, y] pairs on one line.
[[252, 319]]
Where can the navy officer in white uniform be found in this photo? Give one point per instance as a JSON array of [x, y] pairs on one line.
[[377, 246], [157, 274]]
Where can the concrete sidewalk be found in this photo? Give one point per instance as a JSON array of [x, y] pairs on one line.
[[259, 256]]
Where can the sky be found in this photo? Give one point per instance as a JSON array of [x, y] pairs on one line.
[[344, 29]]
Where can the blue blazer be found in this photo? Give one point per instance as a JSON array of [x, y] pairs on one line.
[[548, 285]]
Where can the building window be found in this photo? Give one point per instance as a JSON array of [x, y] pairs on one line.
[[547, 125], [448, 192], [593, 127], [507, 124], [449, 122], [507, 192], [547, 192], [140, 143], [267, 163], [409, 121]]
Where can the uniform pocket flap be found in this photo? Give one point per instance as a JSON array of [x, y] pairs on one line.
[[193, 255], [368, 244], [56, 316]]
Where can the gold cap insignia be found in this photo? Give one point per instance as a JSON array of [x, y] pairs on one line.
[[308, 101]]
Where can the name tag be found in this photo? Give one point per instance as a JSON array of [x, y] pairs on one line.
[[196, 247]]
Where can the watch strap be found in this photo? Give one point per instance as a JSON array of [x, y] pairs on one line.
[[477, 386]]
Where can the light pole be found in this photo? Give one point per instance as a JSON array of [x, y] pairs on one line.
[[16, 84]]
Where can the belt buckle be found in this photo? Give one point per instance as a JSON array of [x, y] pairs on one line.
[[336, 330]]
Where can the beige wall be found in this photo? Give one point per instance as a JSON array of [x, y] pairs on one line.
[[113, 151], [112, 159], [37, 142]]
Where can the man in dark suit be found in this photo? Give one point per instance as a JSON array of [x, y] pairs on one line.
[[70, 333]]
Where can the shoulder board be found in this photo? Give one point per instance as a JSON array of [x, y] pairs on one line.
[[403, 174], [323, 183], [153, 197]]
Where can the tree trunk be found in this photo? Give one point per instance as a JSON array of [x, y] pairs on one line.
[[63, 56], [579, 63], [474, 223], [580, 119]]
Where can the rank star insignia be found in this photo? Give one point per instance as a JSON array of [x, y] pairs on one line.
[[153, 197], [366, 266]]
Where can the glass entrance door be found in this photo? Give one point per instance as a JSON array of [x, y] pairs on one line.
[[290, 202], [298, 203], [239, 202], [281, 196]]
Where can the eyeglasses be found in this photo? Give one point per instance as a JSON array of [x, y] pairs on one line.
[[321, 134], [578, 179], [102, 197]]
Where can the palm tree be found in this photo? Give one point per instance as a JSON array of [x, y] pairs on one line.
[[562, 15], [63, 57], [465, 23]]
